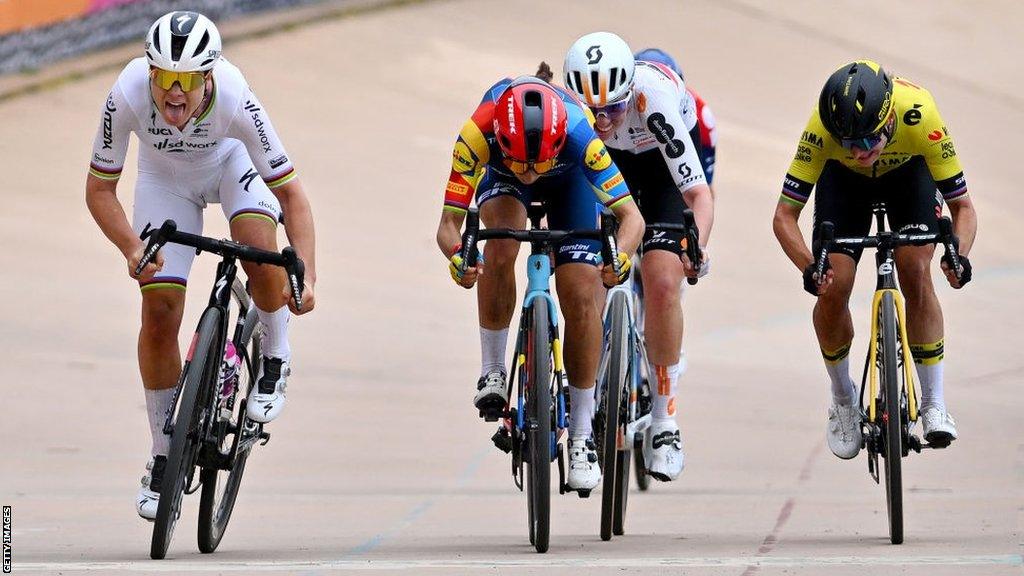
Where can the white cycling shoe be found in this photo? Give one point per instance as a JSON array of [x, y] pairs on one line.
[[267, 400], [939, 427], [148, 498], [844, 433], [663, 450], [490, 395], [584, 472]]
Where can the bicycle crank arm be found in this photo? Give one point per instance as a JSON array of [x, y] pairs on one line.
[[636, 427]]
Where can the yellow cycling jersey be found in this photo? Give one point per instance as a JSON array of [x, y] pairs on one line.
[[919, 131]]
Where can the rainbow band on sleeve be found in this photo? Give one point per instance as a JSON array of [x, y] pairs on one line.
[[254, 213], [281, 179], [103, 173], [166, 282]]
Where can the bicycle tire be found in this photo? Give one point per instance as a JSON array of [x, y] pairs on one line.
[[538, 386], [615, 381], [643, 481], [893, 419], [182, 454], [621, 492], [215, 509]]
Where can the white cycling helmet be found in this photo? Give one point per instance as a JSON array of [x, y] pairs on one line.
[[183, 42], [599, 69]]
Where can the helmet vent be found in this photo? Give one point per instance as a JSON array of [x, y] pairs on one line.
[[594, 82], [613, 76], [156, 40], [202, 43], [622, 76], [177, 46], [862, 97], [579, 81]]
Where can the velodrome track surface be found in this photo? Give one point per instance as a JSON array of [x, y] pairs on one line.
[[380, 462]]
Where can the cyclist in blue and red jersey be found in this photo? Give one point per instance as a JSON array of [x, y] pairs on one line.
[[528, 140]]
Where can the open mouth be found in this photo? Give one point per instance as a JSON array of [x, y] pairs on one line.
[[174, 113]]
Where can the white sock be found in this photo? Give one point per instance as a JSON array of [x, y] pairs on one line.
[[275, 333], [837, 364], [492, 350], [932, 393], [158, 404], [581, 408], [666, 385]]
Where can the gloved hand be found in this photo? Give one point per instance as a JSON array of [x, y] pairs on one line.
[[812, 284], [465, 277], [965, 273], [608, 277]]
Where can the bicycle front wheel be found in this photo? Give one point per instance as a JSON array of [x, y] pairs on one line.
[[538, 423], [220, 487], [200, 372], [615, 380], [892, 417]]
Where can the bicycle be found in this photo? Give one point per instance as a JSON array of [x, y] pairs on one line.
[[209, 431], [622, 381], [536, 418], [890, 410]]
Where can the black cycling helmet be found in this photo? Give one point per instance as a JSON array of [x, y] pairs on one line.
[[856, 100]]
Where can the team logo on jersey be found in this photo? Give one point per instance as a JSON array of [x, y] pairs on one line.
[[912, 117], [813, 139], [612, 182], [463, 159], [641, 103], [596, 156], [936, 135]]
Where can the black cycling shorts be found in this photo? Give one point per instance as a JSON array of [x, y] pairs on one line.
[[912, 201], [655, 193]]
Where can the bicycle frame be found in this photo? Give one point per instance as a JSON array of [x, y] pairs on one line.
[[638, 362], [885, 267]]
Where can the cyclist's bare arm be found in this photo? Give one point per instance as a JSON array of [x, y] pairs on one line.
[[700, 199], [631, 227], [449, 231], [787, 231], [965, 222], [298, 226], [106, 210]]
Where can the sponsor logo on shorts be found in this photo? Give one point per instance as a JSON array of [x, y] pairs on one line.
[[247, 178]]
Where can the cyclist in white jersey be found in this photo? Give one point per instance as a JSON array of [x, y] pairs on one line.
[[648, 122], [203, 137]]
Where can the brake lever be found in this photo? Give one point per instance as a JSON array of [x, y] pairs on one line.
[[157, 239], [693, 252], [827, 234], [296, 269]]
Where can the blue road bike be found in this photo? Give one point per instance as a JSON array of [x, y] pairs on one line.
[[535, 416]]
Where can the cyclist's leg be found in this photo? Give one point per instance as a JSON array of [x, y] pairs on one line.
[[843, 198], [915, 206], [253, 213], [163, 303], [571, 205], [502, 203]]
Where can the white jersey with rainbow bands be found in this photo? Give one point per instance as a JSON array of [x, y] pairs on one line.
[[233, 113]]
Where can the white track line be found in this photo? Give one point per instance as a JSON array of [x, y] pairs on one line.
[[547, 561]]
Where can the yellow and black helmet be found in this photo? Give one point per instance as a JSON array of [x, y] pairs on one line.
[[856, 100]]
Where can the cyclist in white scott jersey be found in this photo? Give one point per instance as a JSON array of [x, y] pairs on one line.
[[648, 122], [203, 137]]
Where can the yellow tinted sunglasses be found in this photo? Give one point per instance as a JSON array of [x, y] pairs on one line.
[[520, 168], [189, 80]]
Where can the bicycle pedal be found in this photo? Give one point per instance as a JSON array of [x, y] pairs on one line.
[[583, 493], [265, 437], [939, 443], [502, 440]]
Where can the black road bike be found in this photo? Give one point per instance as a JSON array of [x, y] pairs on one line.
[[211, 433]]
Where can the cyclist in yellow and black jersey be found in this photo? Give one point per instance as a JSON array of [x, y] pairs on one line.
[[874, 138]]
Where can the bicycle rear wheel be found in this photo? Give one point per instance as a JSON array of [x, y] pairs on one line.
[[892, 418], [538, 424], [220, 487], [200, 372], [615, 381]]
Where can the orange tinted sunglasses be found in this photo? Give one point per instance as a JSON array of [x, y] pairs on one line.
[[519, 168]]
